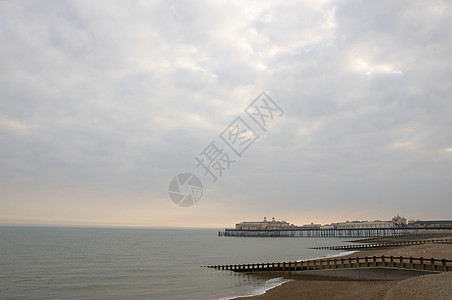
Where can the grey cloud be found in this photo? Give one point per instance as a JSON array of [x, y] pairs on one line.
[[121, 96]]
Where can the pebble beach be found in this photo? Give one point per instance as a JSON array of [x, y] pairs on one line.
[[435, 286]]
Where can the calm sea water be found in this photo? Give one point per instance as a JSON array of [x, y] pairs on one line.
[[120, 263]]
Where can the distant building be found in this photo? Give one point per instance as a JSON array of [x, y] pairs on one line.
[[264, 225], [363, 224], [327, 227], [430, 224], [312, 226], [397, 221]]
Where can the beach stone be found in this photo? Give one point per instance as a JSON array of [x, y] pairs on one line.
[[434, 287]]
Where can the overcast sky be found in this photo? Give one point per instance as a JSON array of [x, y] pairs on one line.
[[102, 103]]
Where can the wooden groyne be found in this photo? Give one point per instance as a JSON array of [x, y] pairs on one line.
[[384, 245], [406, 263], [405, 237], [351, 232]]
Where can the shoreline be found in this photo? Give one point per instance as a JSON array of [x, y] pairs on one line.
[[435, 286], [341, 254], [262, 291]]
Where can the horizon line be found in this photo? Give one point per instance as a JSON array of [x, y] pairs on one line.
[[103, 226]]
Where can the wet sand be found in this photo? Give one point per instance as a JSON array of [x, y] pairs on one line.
[[436, 286]]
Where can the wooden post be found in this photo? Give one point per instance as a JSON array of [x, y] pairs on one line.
[[433, 264], [411, 263]]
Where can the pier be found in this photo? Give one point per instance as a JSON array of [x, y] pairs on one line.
[[350, 232]]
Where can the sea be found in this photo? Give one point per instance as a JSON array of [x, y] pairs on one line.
[[140, 263]]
